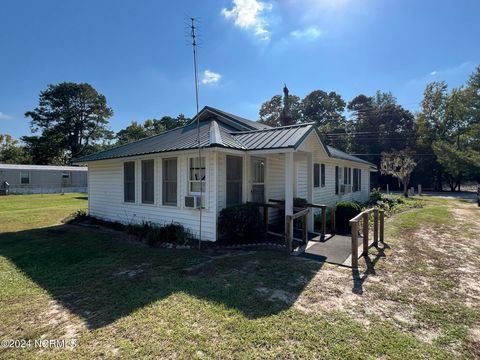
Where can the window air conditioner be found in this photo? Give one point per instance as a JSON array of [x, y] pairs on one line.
[[193, 201]]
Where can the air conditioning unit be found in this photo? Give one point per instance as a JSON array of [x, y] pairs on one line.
[[193, 201], [345, 188]]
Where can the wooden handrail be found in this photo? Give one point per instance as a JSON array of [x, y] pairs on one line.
[[378, 226]]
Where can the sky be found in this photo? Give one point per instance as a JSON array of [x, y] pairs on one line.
[[137, 52]]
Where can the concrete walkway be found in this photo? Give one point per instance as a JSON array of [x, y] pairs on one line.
[[335, 249]]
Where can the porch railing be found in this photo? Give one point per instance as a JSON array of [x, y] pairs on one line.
[[378, 229]]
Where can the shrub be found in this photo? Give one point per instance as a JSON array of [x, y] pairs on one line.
[[239, 223], [345, 211], [80, 215], [317, 220], [375, 195], [154, 234]]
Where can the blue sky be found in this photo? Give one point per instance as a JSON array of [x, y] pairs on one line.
[[136, 52]]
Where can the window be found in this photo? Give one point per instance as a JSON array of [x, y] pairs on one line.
[[170, 182], [316, 175], [234, 180], [148, 182], [24, 177], [65, 175], [197, 175], [357, 179], [337, 179], [322, 175], [345, 176], [129, 181]]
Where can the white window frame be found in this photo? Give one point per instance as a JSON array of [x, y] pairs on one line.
[[201, 181], [29, 177], [164, 203]]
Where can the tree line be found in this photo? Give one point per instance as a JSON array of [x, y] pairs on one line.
[[443, 137]]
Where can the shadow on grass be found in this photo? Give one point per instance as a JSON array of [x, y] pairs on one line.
[[103, 279], [359, 279], [81, 197]]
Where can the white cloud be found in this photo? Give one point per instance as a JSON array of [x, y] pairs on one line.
[[249, 14], [434, 72], [210, 77], [310, 33], [4, 116]]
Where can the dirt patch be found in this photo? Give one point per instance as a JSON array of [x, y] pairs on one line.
[[424, 271], [59, 318]]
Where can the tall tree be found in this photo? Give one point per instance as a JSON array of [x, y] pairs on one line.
[[150, 127], [380, 125], [325, 109], [270, 110], [71, 117], [11, 152]]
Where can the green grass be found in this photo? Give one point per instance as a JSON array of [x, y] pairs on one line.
[[125, 300]]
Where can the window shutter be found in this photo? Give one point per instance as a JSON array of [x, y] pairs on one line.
[[336, 179], [316, 175], [323, 175]]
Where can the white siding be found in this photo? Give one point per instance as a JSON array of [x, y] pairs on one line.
[[106, 195], [326, 195]]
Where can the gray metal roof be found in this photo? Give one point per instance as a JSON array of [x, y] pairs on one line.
[[274, 138], [218, 129], [42, 167], [338, 154]]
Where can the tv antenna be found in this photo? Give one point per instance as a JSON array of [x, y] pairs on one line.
[[195, 70]]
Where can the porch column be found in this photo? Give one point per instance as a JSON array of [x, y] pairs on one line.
[[310, 217], [289, 170]]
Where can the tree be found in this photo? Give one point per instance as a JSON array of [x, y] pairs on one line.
[[324, 109], [150, 127], [270, 110], [11, 152], [71, 117], [399, 165], [379, 125]]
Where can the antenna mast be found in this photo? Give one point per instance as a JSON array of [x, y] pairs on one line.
[[195, 70]]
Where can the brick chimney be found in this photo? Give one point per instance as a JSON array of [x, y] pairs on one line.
[[286, 117]]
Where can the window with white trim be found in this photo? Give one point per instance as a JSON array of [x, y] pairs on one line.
[[169, 182], [148, 182], [129, 181], [196, 175], [25, 177]]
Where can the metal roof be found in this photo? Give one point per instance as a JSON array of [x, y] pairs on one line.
[[42, 167], [219, 129], [274, 138], [338, 154]]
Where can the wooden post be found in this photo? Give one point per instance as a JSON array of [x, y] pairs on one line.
[[375, 227], [388, 190], [354, 244], [412, 191], [419, 190], [265, 217], [382, 222], [324, 220], [288, 233], [332, 220], [365, 234], [305, 229]]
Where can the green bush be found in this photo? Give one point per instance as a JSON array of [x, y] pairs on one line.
[[345, 211], [317, 220], [239, 223], [80, 215], [172, 233]]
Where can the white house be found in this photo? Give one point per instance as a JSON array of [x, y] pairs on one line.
[[159, 179]]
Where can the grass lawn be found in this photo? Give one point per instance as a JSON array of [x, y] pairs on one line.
[[117, 299]]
